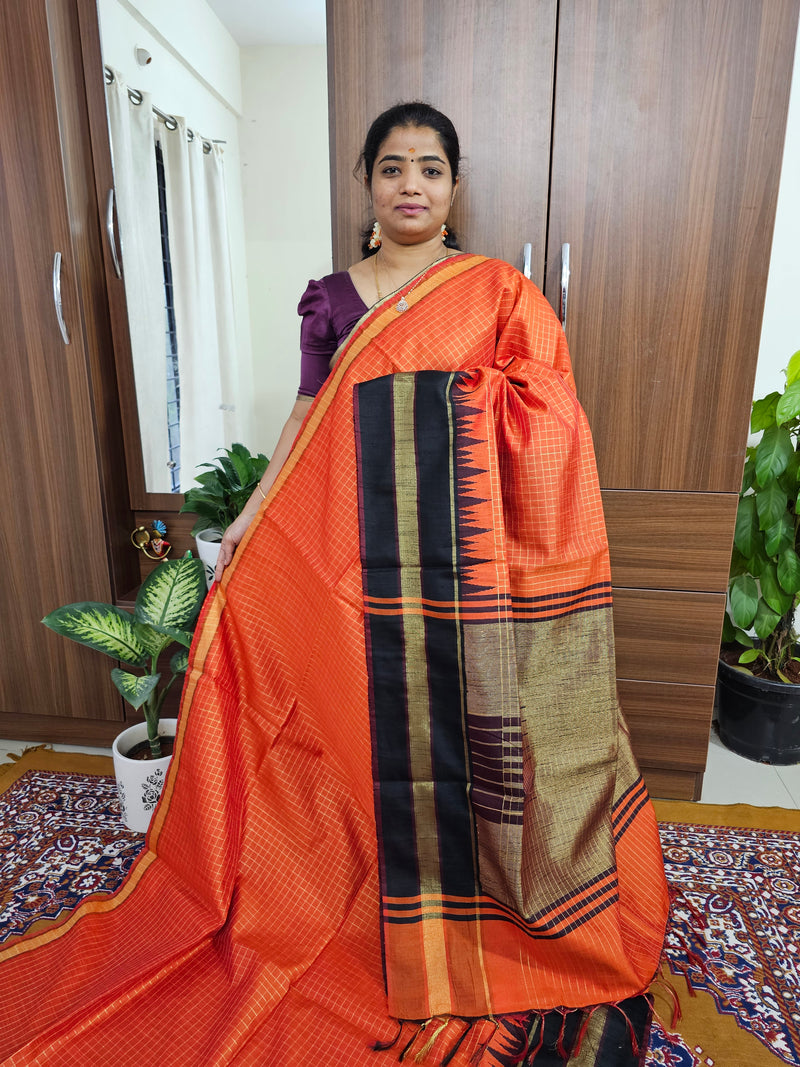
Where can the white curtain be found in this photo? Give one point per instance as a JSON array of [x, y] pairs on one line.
[[202, 288], [198, 241], [136, 188]]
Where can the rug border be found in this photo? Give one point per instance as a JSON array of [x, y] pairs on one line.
[[734, 816], [41, 758], [744, 816]]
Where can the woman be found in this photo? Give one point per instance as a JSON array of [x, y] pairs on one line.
[[411, 194], [403, 814]]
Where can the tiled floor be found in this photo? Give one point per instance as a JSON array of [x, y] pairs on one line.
[[732, 779], [729, 779]]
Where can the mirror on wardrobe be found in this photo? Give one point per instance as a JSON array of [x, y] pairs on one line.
[[218, 230]]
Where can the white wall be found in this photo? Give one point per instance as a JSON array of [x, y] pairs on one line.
[[780, 330], [285, 176], [191, 30]]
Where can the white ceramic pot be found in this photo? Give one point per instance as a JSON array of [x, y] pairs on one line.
[[208, 545], [139, 782]]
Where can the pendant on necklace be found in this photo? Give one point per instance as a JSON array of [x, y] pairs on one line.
[[401, 304]]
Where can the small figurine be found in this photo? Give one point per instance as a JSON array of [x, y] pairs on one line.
[[158, 542], [152, 542]]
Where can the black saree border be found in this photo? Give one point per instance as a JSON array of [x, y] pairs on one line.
[[405, 450]]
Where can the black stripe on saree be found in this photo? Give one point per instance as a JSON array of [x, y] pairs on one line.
[[405, 431]]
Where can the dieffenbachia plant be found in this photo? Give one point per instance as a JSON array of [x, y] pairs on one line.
[[166, 609]]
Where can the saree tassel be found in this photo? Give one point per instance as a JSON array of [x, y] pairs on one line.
[[587, 1018], [529, 1032], [560, 1047], [533, 1052], [678, 900], [420, 1030], [426, 1048], [384, 1046], [451, 1055], [677, 1014], [693, 958], [631, 1031], [477, 1055], [684, 973], [698, 923]]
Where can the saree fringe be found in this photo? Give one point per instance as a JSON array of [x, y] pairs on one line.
[[421, 1027], [531, 1050], [583, 1030], [517, 1040], [428, 1046], [693, 958], [662, 982]]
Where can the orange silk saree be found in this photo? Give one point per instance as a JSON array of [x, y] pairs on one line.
[[402, 789]]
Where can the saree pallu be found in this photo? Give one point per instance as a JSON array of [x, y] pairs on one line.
[[400, 766]]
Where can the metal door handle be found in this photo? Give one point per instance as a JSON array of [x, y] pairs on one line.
[[112, 244], [526, 260], [564, 284], [57, 296]]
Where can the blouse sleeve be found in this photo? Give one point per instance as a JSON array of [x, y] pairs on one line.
[[317, 338]]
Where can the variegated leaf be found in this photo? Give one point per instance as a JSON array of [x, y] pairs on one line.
[[135, 688], [153, 640], [100, 626], [172, 594], [183, 637], [180, 662]]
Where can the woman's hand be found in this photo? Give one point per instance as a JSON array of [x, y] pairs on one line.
[[237, 529], [230, 539]]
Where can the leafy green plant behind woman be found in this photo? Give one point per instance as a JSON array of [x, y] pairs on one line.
[[165, 613], [764, 587], [224, 489]]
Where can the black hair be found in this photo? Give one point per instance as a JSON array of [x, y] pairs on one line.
[[413, 113]]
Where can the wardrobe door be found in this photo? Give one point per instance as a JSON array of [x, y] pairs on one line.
[[53, 538], [667, 128], [668, 131], [488, 64], [667, 142]]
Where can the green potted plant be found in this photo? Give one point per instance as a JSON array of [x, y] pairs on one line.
[[759, 673], [165, 613], [221, 493]]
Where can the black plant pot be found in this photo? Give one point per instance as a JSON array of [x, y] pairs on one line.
[[757, 718]]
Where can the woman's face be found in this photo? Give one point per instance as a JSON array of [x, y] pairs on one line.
[[412, 185]]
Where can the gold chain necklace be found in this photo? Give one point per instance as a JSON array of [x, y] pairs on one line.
[[402, 303]]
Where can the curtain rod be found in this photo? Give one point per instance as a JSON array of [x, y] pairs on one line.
[[135, 96]]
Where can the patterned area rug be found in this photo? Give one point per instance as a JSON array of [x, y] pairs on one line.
[[61, 837], [735, 871]]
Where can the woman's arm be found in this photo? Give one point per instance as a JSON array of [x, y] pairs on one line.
[[237, 528]]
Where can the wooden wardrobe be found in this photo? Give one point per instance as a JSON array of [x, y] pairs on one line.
[[67, 518], [648, 137]]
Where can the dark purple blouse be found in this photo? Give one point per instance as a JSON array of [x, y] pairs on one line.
[[330, 308]]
